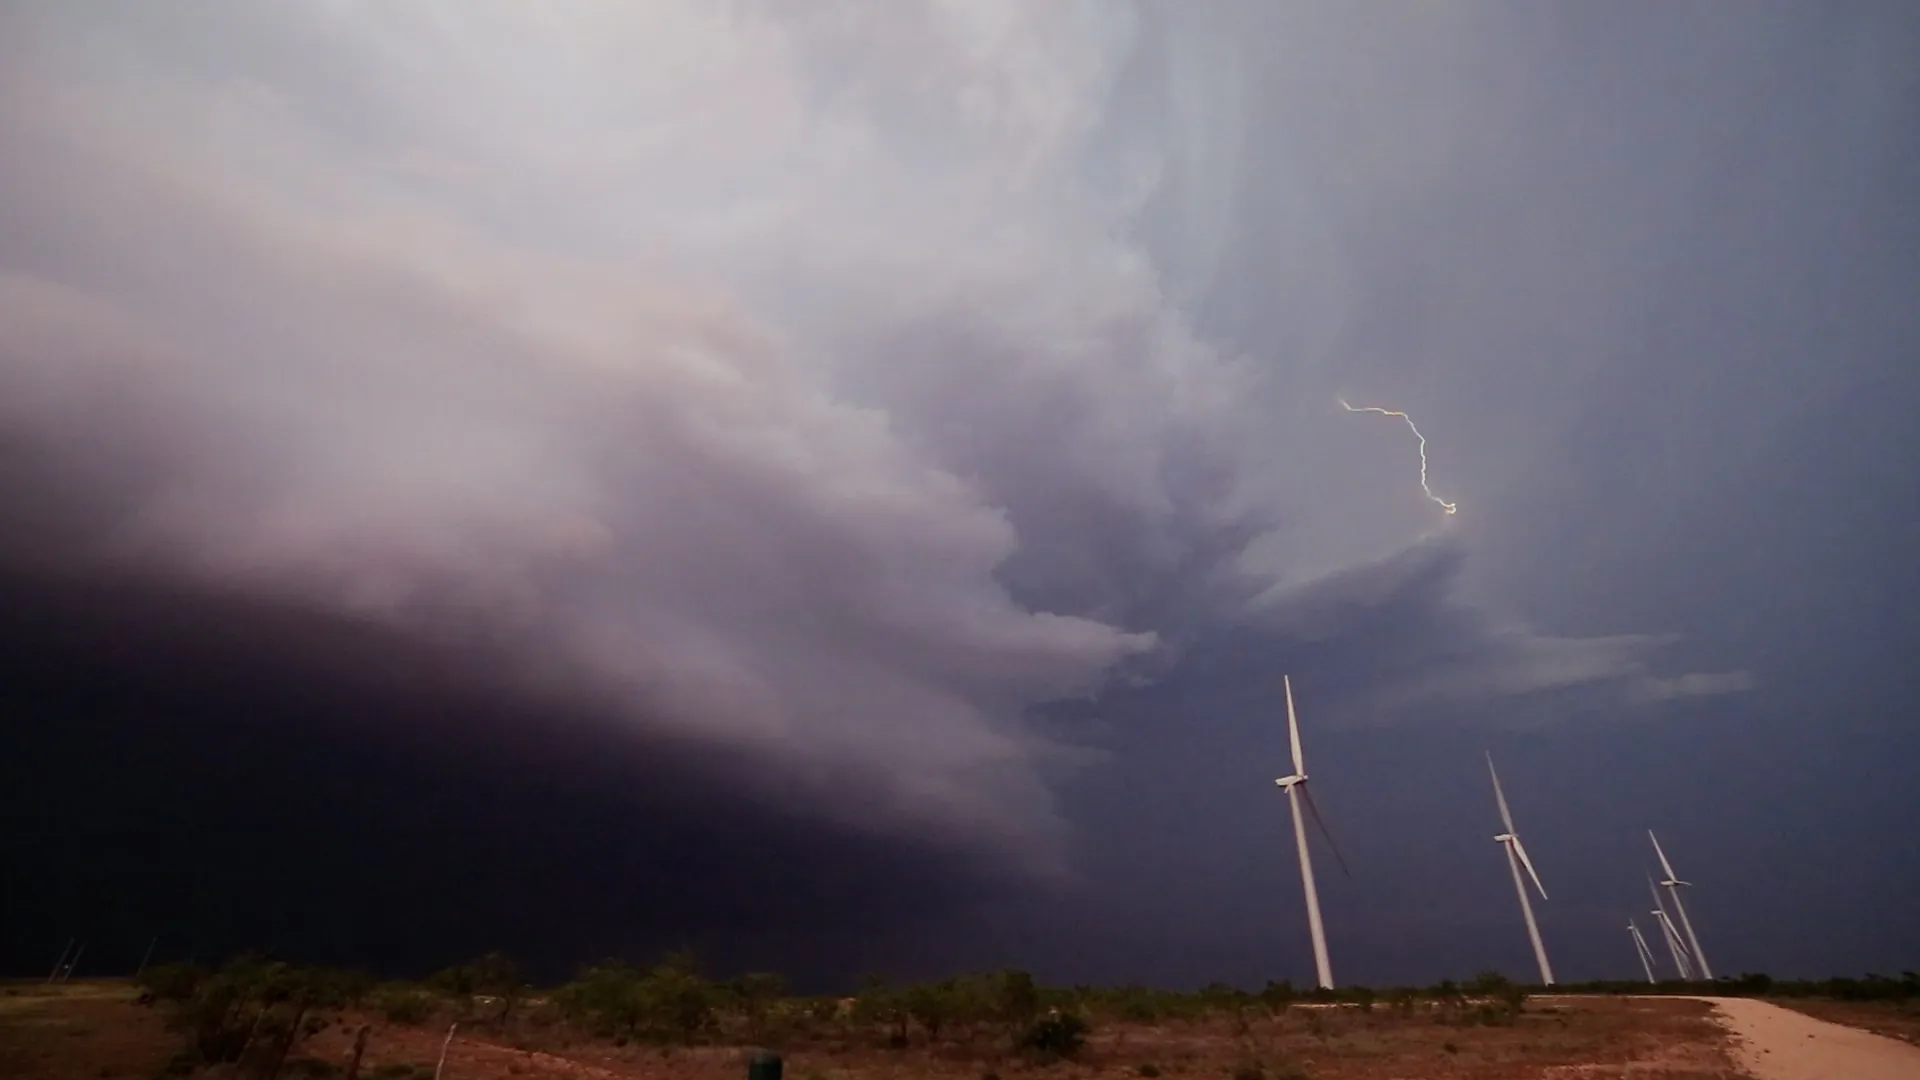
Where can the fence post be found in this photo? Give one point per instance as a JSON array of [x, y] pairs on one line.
[[359, 1048], [451, 1028]]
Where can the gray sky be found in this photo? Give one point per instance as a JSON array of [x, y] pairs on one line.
[[929, 414]]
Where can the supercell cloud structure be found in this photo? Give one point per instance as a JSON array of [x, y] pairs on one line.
[[796, 380]]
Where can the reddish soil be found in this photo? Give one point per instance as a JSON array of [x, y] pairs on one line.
[[103, 1034], [80, 1030]]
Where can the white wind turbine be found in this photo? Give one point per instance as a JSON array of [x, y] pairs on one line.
[[1640, 949], [1517, 858], [1672, 936], [1672, 884], [1296, 788]]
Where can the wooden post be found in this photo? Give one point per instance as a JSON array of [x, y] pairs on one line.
[[280, 1058], [451, 1028], [359, 1048]]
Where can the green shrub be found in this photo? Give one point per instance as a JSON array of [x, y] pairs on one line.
[[172, 982], [403, 1004], [1059, 1035]]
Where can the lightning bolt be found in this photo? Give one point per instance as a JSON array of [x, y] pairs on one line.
[[1451, 508]]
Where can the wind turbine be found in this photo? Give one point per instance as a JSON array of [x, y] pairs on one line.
[[62, 962], [67, 973], [1516, 858], [1673, 884], [1640, 949], [1296, 788], [1674, 945]]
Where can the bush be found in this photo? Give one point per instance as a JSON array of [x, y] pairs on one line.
[[403, 1004], [671, 1002], [172, 982], [1514, 997], [1489, 983], [1059, 1035]]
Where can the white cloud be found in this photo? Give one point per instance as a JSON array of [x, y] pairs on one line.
[[1651, 690]]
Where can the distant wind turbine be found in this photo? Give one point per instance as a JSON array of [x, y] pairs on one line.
[[1672, 884], [1517, 858], [62, 962], [1296, 788], [1640, 949], [1674, 945]]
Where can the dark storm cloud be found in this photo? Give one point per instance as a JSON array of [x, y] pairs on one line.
[[1643, 273], [797, 429], [812, 400], [229, 773]]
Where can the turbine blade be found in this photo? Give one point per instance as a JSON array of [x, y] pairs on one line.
[[1664, 864], [1313, 809], [1654, 891], [1293, 729], [1506, 817], [1520, 849]]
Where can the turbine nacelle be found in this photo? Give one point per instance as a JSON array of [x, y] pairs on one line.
[[1669, 883], [1289, 781]]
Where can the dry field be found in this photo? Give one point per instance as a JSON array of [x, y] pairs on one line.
[[1894, 1019], [81, 1031], [96, 1031]]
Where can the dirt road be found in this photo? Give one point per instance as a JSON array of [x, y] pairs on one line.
[[1774, 1043]]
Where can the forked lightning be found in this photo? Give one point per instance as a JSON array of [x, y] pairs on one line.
[[1451, 508]]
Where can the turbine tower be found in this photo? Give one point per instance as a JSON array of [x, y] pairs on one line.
[[1673, 884], [1517, 858], [1640, 949], [1672, 936], [1296, 788]]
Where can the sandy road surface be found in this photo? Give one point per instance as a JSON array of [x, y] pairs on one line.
[[1774, 1043]]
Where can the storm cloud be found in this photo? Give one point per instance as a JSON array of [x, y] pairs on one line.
[[803, 384], [840, 484]]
